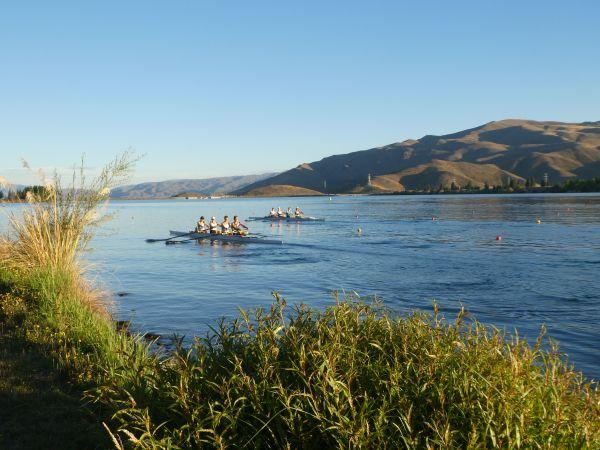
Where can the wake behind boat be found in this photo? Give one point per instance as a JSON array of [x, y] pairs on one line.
[[243, 239]]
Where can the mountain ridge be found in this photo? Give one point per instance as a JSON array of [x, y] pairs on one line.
[[490, 153], [201, 186]]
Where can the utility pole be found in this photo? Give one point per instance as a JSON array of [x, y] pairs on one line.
[[545, 179], [369, 180]]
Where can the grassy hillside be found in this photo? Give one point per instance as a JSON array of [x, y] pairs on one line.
[[279, 190], [491, 153], [440, 172]]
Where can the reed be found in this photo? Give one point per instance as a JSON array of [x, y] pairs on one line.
[[355, 376], [40, 260], [46, 303], [57, 223]]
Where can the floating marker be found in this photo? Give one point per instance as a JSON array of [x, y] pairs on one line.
[[498, 238], [538, 221]]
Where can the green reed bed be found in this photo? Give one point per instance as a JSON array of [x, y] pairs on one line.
[[352, 375]]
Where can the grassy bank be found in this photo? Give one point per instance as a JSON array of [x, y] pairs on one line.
[[40, 404], [352, 375]]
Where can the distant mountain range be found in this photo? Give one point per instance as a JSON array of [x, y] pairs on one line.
[[170, 188], [491, 153]]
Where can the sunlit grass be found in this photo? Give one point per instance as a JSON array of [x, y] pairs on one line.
[[353, 376]]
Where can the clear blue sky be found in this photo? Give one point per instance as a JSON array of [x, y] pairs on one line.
[[222, 88]]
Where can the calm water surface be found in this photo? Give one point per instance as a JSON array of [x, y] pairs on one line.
[[546, 273]]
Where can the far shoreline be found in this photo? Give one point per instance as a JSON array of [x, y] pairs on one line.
[[379, 194]]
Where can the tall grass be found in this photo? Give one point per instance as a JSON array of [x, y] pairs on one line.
[[354, 376], [40, 259], [57, 225]]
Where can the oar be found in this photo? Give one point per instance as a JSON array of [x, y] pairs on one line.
[[257, 235], [185, 241], [168, 239]]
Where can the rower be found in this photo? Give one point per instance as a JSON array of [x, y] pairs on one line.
[[201, 226], [299, 212], [236, 226], [273, 213], [280, 212], [225, 226], [213, 226], [289, 212]]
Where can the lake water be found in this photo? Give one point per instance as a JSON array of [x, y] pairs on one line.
[[537, 274]]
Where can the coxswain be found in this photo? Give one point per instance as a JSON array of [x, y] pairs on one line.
[[299, 212], [201, 226], [225, 226], [213, 226], [238, 227]]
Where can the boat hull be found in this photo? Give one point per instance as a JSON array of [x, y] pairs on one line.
[[226, 238]]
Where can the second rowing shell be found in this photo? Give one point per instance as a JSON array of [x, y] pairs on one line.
[[287, 219], [226, 238]]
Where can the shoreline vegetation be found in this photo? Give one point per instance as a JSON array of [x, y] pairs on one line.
[[512, 187], [352, 375], [31, 193]]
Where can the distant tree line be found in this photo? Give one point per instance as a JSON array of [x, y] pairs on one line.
[[516, 186], [592, 185], [23, 194]]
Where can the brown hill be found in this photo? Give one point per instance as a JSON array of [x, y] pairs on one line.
[[278, 190], [445, 173], [490, 153]]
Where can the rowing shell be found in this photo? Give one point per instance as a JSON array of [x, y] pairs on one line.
[[226, 238], [287, 219]]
